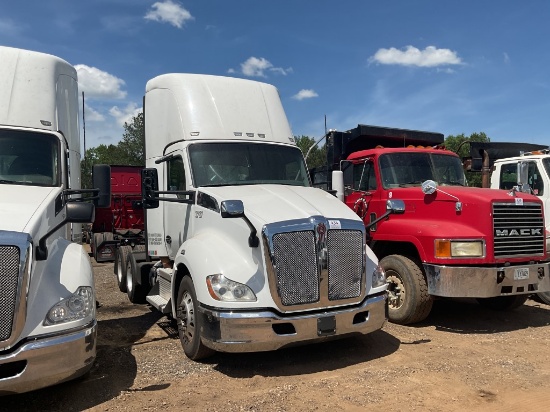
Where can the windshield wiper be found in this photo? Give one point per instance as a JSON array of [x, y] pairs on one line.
[[8, 181], [417, 182]]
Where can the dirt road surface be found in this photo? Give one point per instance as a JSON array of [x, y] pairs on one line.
[[463, 357]]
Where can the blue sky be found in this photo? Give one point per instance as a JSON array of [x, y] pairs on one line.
[[445, 66]]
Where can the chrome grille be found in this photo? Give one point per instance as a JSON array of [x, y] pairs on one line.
[[313, 264], [295, 258], [345, 263], [9, 277], [518, 230]]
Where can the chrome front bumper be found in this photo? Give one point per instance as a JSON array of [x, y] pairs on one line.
[[48, 361], [486, 282], [227, 331]]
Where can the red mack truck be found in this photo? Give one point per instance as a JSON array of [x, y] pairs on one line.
[[453, 240]]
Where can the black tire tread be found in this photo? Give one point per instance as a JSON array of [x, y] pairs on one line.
[[423, 301]]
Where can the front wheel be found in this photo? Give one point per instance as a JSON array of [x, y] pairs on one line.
[[189, 322], [408, 297], [503, 302]]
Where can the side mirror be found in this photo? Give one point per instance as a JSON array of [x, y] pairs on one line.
[[429, 187], [232, 208], [75, 212], [79, 212], [523, 177], [149, 185], [101, 180], [235, 208], [395, 206]]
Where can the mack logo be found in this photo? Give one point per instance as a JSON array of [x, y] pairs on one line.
[[518, 232]]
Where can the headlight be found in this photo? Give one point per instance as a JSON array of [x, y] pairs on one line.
[[79, 305], [378, 277], [454, 248], [221, 288]]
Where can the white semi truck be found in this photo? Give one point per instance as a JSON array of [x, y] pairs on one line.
[[249, 256], [47, 300]]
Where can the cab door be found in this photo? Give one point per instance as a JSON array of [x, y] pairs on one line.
[[177, 216]]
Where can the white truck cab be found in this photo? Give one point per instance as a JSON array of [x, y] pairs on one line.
[[253, 257], [47, 300]]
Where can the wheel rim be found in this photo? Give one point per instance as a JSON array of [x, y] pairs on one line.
[[129, 278], [119, 271], [186, 317], [396, 290]]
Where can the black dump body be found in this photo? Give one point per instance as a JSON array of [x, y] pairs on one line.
[[498, 150], [341, 144]]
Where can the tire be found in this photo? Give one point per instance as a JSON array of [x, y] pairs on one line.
[[121, 268], [189, 324], [544, 297], [98, 238], [137, 283], [503, 302], [408, 297]]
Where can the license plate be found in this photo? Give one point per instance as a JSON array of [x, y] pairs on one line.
[[521, 273]]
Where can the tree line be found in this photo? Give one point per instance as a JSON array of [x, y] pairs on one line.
[[130, 151]]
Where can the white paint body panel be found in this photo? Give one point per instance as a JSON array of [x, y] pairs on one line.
[[39, 94]]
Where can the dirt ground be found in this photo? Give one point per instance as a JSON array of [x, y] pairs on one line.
[[463, 357]]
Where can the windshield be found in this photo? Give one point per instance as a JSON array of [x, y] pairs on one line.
[[28, 158], [411, 169], [221, 164]]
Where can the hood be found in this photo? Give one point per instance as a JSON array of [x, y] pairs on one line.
[[467, 195], [277, 203], [19, 205]]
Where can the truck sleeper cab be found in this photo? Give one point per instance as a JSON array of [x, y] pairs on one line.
[[48, 326], [251, 257]]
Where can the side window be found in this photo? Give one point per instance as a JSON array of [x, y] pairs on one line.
[[363, 177], [176, 175], [508, 176], [535, 179]]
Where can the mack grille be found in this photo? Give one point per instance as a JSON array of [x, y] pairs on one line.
[[296, 264], [9, 276], [518, 230]]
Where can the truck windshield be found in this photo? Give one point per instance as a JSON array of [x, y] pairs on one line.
[[28, 158], [223, 164], [406, 169]]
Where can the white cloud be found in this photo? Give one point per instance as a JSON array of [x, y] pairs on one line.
[[305, 94], [411, 56], [125, 114], [169, 12], [92, 115], [506, 58], [256, 67], [97, 84]]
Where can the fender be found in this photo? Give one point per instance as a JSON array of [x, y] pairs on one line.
[[209, 254], [423, 236], [67, 267]]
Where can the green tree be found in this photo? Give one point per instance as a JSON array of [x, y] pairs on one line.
[[132, 144], [459, 145], [317, 155], [130, 151]]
